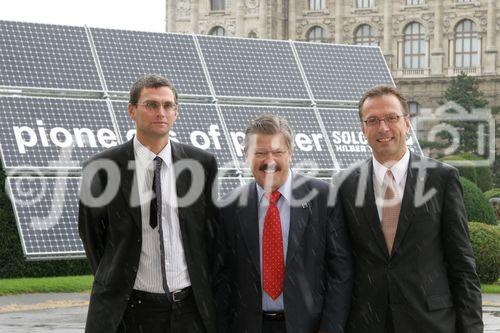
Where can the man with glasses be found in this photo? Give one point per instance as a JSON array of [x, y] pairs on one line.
[[149, 245], [282, 247], [415, 270]]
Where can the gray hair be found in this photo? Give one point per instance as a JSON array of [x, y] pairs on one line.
[[270, 124], [150, 81]]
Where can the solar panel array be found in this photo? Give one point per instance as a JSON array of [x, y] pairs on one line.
[[65, 92]]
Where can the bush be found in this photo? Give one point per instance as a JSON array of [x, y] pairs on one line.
[[481, 176], [493, 193], [12, 261], [476, 205], [485, 240]]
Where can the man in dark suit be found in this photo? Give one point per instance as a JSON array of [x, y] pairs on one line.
[[284, 255], [415, 270], [146, 217]]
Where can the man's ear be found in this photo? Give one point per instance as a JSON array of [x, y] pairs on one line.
[[131, 111]]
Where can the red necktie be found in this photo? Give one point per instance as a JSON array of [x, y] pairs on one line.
[[273, 264]]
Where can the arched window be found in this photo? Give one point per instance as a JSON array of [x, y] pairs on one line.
[[252, 34], [414, 49], [466, 44], [365, 3], [365, 35], [316, 34], [414, 2], [316, 4], [217, 31], [217, 4]]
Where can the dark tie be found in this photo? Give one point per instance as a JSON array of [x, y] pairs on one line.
[[390, 212], [273, 264], [155, 217], [155, 210]]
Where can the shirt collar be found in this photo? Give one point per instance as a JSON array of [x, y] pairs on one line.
[[398, 170], [285, 189], [146, 156]]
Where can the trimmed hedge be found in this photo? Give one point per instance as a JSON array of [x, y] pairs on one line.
[[481, 176], [12, 261], [485, 240], [476, 205], [493, 193]]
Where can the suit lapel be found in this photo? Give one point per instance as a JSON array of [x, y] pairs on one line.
[[407, 204], [249, 221], [129, 188], [300, 212], [370, 208], [182, 180]]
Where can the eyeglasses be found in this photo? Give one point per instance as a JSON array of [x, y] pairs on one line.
[[261, 154], [390, 119], [155, 106]]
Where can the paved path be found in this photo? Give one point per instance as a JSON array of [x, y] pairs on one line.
[[65, 313]]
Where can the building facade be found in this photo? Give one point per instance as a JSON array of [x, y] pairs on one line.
[[425, 42]]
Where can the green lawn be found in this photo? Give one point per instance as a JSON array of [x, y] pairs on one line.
[[46, 285], [84, 282]]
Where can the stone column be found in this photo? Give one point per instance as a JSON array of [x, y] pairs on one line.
[[292, 20], [490, 54], [339, 21], [437, 52], [240, 18], [263, 19], [171, 15], [195, 16], [387, 47]]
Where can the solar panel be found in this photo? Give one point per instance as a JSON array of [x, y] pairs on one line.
[[342, 72], [46, 56], [252, 68], [197, 125], [125, 55], [228, 184], [310, 152], [345, 133], [46, 210], [51, 132]]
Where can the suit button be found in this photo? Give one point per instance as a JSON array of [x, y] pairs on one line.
[[138, 240], [389, 265], [135, 268], [127, 297]]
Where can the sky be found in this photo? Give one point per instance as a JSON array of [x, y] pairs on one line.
[[142, 15]]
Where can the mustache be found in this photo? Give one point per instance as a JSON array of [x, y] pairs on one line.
[[268, 166]]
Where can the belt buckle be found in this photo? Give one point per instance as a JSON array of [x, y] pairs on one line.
[[174, 293]]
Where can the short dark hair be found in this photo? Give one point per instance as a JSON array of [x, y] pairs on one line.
[[270, 124], [381, 91], [150, 81]]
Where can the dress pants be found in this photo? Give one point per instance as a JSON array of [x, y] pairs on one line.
[[270, 325], [154, 313]]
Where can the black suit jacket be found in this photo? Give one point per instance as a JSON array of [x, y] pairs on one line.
[[429, 281], [318, 268], [112, 235]]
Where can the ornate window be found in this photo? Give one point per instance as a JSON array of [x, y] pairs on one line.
[[252, 34], [365, 3], [217, 4], [414, 46], [365, 35], [316, 4], [316, 34], [414, 2], [217, 31], [466, 44]]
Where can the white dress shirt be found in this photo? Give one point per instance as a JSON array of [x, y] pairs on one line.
[[399, 171], [149, 277]]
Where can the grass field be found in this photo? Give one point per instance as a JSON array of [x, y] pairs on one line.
[[83, 283], [46, 285]]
